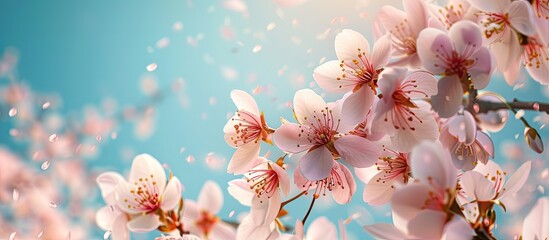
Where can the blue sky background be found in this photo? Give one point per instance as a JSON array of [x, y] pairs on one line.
[[87, 51]]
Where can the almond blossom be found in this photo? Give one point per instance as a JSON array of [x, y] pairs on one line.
[[340, 182], [200, 217], [408, 122], [466, 143], [486, 184], [110, 217], [147, 192], [356, 70], [503, 22], [261, 189], [456, 55], [245, 131], [318, 133], [404, 28]]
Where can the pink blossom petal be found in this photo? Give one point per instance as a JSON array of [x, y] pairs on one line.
[[441, 173], [357, 105], [119, 229], [321, 228], [290, 138], [222, 230], [466, 36], [144, 223], [517, 180], [357, 151], [476, 186], [381, 52], [434, 219], [210, 197], [378, 192], [171, 195], [307, 106], [486, 143], [426, 84], [482, 69], [426, 130], [107, 182], [506, 53], [283, 178], [249, 230], [244, 158], [408, 201], [146, 166], [244, 101], [540, 72], [385, 231], [497, 6], [104, 218], [433, 42], [240, 190], [265, 209], [459, 229], [316, 164], [348, 43], [536, 222], [521, 17], [326, 76], [464, 127], [449, 97], [342, 194], [416, 14], [191, 210]]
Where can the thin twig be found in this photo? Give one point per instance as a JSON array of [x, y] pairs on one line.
[[309, 210]]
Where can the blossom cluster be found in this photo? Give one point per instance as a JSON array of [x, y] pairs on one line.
[[410, 123]]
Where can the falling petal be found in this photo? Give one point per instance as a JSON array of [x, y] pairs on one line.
[[45, 165], [151, 67], [14, 132], [541, 189], [12, 235], [182, 149], [52, 205], [177, 26], [257, 48], [53, 138], [46, 105], [12, 112], [40, 235], [270, 26], [190, 159], [163, 42], [231, 214], [107, 235], [15, 195], [99, 139], [114, 135]]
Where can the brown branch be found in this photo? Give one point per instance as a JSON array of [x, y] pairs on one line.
[[486, 106]]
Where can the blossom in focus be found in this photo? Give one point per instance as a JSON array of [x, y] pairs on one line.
[[147, 192], [502, 23], [466, 143], [200, 217], [404, 28], [340, 182], [535, 223], [399, 114], [456, 55], [356, 71], [318, 133], [110, 217], [245, 131]]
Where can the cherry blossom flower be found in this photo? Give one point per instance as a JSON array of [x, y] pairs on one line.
[[466, 143], [391, 170], [200, 217], [320, 228], [318, 134], [248, 230], [340, 182], [535, 223], [245, 131], [147, 192], [356, 70], [541, 19], [535, 58], [502, 22], [404, 28], [110, 217], [486, 183], [443, 17], [261, 189], [408, 122], [457, 56]]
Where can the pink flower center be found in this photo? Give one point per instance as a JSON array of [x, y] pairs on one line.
[[401, 114], [206, 222], [248, 128], [323, 126], [334, 180], [454, 62], [362, 70], [497, 179], [146, 195], [494, 23], [263, 181], [535, 55], [465, 151], [393, 166]]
